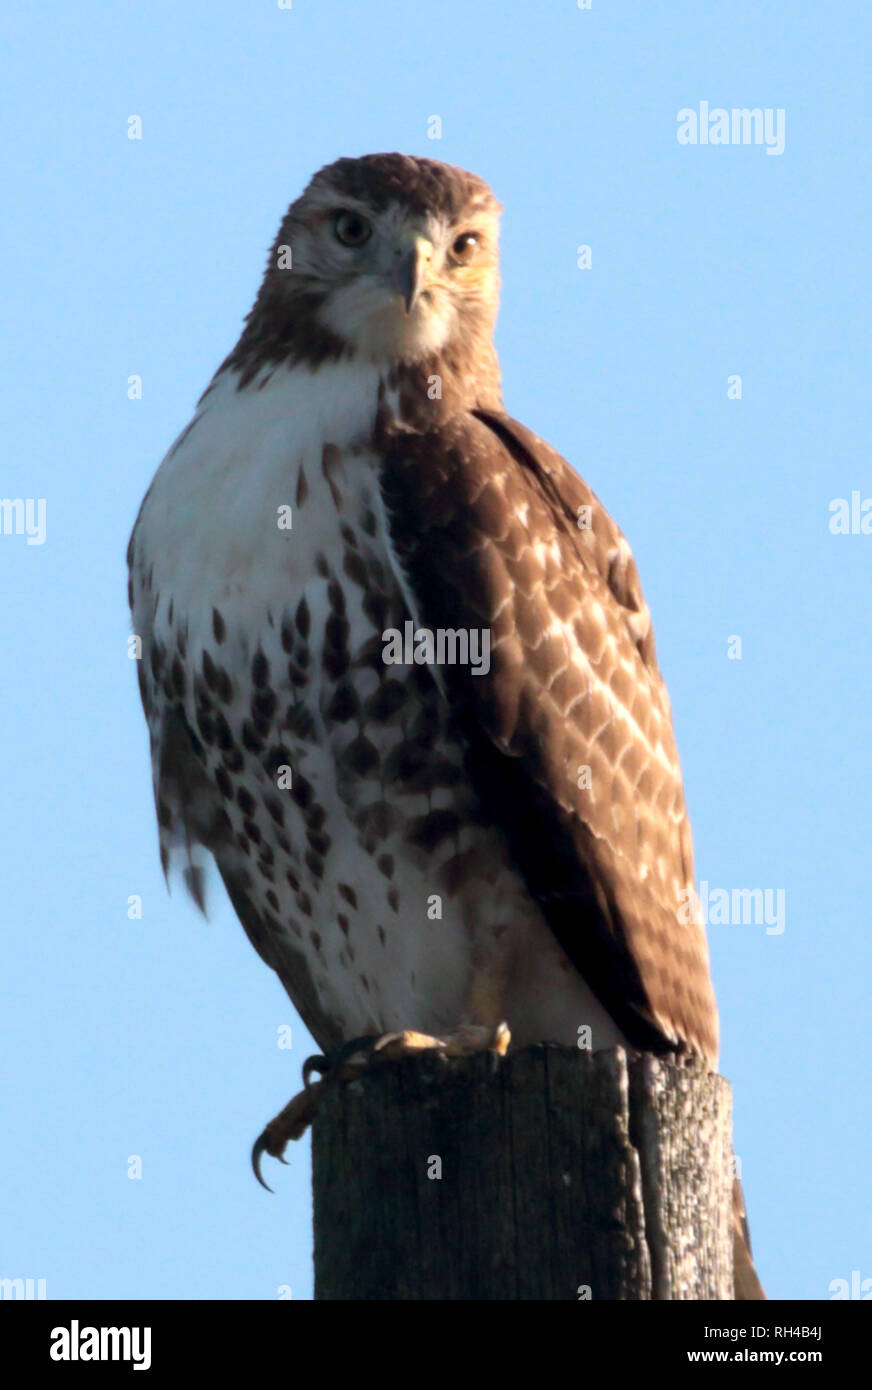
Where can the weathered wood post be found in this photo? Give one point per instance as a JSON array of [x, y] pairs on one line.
[[551, 1174]]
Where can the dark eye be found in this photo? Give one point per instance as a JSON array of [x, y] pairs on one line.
[[351, 229], [465, 247]]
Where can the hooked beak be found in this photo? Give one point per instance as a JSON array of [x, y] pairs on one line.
[[411, 268]]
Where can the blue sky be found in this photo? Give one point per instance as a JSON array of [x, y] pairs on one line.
[[158, 1037]]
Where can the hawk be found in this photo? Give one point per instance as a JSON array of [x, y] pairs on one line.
[[398, 672]]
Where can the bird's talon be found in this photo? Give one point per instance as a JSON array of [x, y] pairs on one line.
[[257, 1153], [316, 1064], [348, 1062]]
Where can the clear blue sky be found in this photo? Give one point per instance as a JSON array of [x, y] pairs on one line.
[[157, 1037]]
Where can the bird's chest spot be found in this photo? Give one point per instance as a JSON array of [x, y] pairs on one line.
[[297, 663]]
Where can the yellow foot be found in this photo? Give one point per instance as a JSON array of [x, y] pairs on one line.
[[353, 1058], [470, 1037]]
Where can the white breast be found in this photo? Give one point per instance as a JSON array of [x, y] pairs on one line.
[[210, 522]]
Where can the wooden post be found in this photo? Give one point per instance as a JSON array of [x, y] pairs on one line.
[[551, 1174]]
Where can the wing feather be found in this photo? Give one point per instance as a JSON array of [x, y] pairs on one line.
[[569, 734]]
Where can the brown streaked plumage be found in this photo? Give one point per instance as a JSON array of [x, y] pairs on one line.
[[411, 846], [607, 864]]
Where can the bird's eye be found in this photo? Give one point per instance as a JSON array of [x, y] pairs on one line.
[[465, 247], [351, 228]]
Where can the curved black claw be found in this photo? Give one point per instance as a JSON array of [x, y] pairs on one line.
[[315, 1064], [257, 1153], [327, 1066]]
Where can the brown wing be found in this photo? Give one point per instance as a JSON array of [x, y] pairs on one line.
[[486, 520]]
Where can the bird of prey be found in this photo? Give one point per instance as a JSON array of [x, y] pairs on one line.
[[398, 672]]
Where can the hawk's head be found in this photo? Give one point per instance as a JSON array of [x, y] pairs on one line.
[[389, 257]]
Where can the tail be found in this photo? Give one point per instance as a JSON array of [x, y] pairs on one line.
[[746, 1286]]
